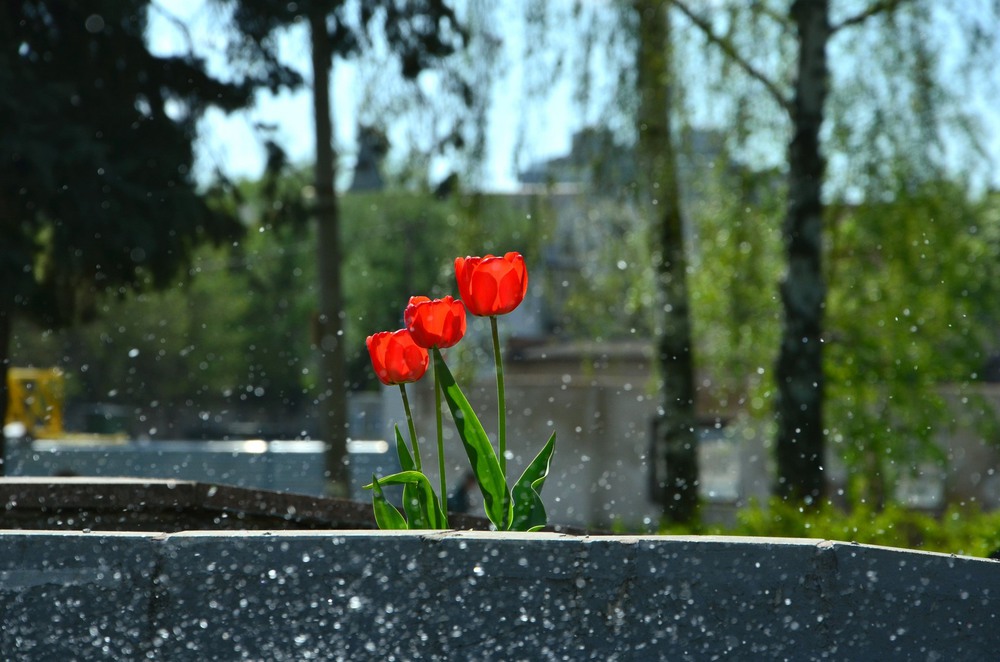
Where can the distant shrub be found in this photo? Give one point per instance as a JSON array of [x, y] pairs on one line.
[[959, 530]]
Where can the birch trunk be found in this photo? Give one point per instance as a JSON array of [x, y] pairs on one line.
[[800, 442]]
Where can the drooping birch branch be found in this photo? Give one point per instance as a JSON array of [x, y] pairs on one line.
[[727, 47], [876, 8]]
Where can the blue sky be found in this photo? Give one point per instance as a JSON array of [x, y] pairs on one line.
[[230, 142], [535, 130]]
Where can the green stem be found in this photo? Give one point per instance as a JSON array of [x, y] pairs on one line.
[[501, 399], [440, 434], [413, 430]]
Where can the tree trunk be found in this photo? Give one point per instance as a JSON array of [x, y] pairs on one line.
[[6, 323], [675, 439], [332, 396], [800, 438]]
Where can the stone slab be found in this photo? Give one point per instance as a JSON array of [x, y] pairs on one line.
[[353, 595]]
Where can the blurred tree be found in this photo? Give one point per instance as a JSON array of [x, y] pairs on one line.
[[769, 46], [803, 35], [272, 267], [676, 438], [381, 276], [624, 252], [800, 440], [910, 320], [158, 351], [418, 34], [96, 192], [154, 351], [911, 323]]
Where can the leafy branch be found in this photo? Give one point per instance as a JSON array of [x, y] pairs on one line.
[[729, 48]]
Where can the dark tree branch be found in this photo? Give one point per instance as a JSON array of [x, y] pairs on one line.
[[876, 8], [776, 16], [730, 50], [180, 25]]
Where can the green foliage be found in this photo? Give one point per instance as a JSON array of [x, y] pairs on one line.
[[236, 326], [528, 510], [393, 246], [422, 506], [611, 295], [222, 333], [386, 515], [276, 271], [736, 265], [97, 188], [484, 223], [911, 313], [912, 306], [957, 531]]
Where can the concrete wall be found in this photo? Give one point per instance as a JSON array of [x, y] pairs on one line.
[[485, 596]]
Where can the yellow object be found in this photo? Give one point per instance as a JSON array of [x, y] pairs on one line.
[[35, 399]]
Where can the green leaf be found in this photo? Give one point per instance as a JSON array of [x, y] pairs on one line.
[[529, 511], [416, 509], [386, 515], [427, 508], [417, 514], [482, 457], [405, 459]]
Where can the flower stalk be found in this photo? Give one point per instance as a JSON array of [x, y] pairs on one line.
[[414, 444], [501, 397], [440, 430]]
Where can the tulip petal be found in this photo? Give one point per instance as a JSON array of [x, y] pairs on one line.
[[491, 285], [483, 291], [396, 358], [521, 269], [464, 266], [392, 355], [437, 323], [416, 359], [510, 292]]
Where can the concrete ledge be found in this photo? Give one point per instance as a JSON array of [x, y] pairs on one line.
[[165, 506], [355, 595]]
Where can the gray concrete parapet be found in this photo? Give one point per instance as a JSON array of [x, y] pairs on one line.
[[358, 595]]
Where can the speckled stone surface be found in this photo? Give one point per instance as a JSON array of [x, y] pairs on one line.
[[357, 595]]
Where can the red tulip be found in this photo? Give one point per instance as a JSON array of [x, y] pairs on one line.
[[396, 358], [435, 323], [491, 285]]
